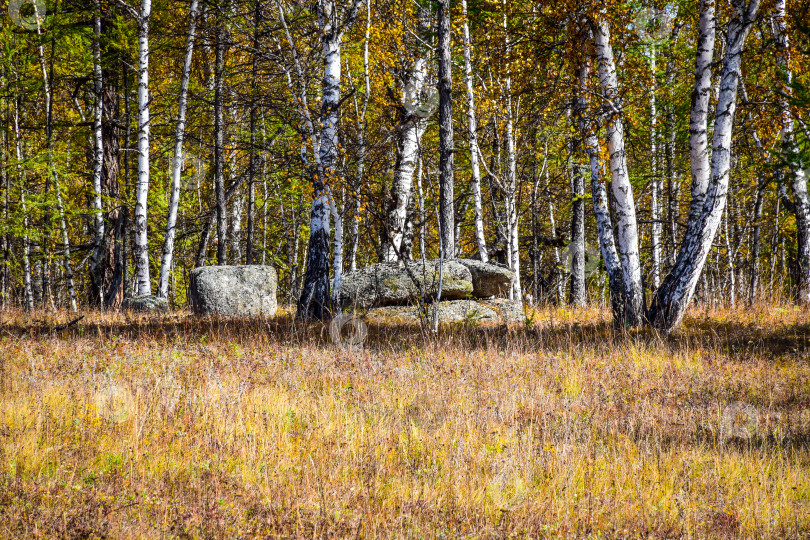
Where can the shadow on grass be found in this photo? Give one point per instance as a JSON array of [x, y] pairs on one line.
[[737, 340]]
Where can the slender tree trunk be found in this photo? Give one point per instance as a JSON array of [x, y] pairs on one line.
[[673, 184], [798, 183], [579, 291], [604, 225], [732, 275], [655, 192], [513, 249], [420, 194], [28, 289], [144, 286], [361, 148], [472, 137], [235, 229], [446, 148], [315, 298], [48, 95], [622, 190], [409, 134], [755, 243], [251, 222], [673, 297], [97, 260], [219, 143], [558, 263], [177, 162]]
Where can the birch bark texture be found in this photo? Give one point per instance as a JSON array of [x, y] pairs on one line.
[[178, 160], [621, 188], [314, 302], [446, 148], [143, 284], [510, 192], [673, 297], [219, 141], [409, 131], [472, 138], [604, 226], [796, 172], [97, 256]]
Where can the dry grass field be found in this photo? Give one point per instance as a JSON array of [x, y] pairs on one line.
[[174, 427]]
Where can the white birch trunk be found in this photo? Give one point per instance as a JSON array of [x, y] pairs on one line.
[[410, 129], [235, 230], [362, 150], [472, 137], [143, 283], [625, 210], [557, 261], [26, 259], [98, 159], [655, 192], [732, 278], [315, 299], [798, 183], [675, 293], [513, 249], [604, 225], [177, 161], [446, 144]]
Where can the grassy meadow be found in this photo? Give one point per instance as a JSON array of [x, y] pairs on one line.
[[167, 426]]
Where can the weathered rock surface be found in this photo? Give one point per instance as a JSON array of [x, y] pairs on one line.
[[387, 284], [147, 303], [473, 311], [488, 279], [233, 291]]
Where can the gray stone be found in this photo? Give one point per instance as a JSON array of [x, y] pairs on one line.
[[454, 311], [508, 310], [488, 279], [147, 303], [387, 284], [233, 291]]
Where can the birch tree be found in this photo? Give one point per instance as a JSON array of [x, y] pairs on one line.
[[97, 264], [622, 190], [143, 286], [445, 88], [800, 203], [219, 140], [709, 184], [332, 24], [587, 130], [413, 115], [177, 161], [510, 188], [472, 137]]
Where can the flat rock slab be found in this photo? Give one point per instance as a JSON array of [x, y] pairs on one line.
[[497, 310], [488, 279], [387, 284], [147, 303], [234, 291]]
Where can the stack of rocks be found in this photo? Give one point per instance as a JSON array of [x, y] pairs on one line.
[[469, 290]]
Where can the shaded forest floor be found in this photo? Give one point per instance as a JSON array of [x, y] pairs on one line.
[[168, 426]]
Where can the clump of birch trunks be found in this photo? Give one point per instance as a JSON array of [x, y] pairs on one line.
[[166, 426]]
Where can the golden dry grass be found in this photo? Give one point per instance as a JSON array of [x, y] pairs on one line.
[[173, 427]]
